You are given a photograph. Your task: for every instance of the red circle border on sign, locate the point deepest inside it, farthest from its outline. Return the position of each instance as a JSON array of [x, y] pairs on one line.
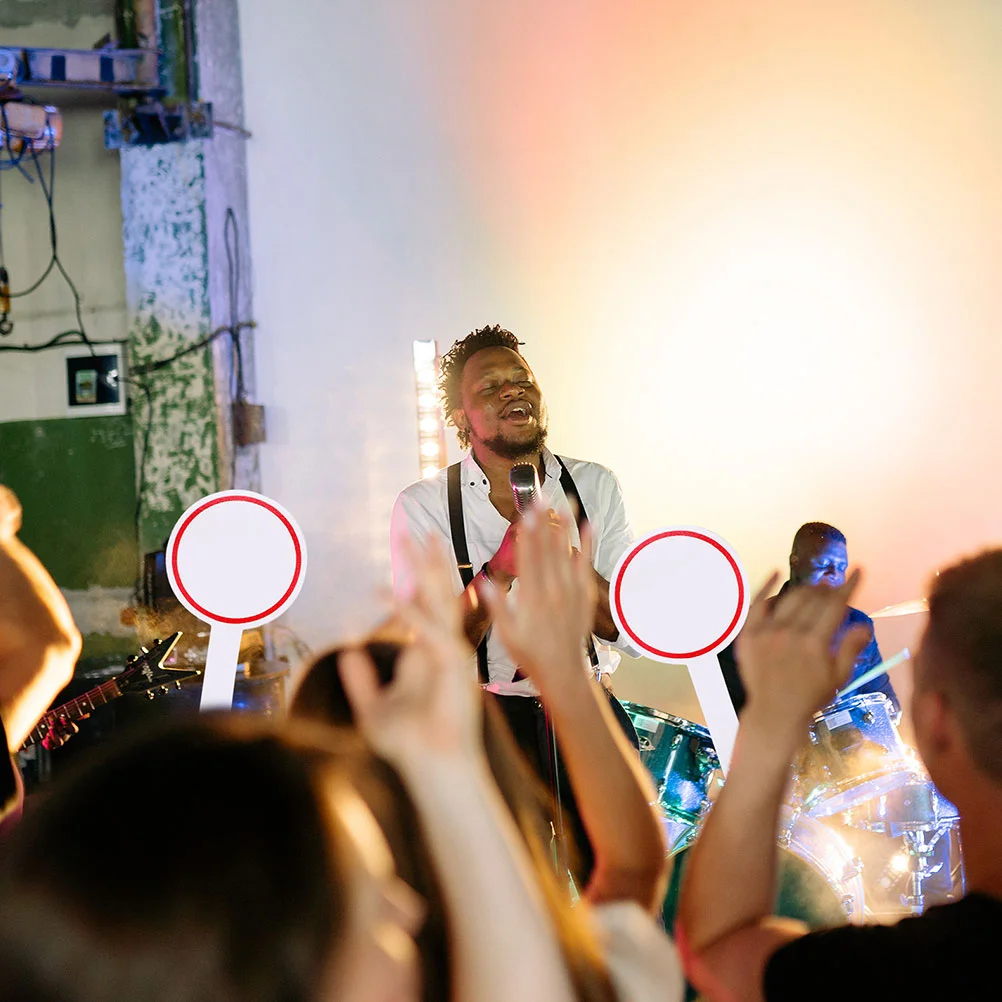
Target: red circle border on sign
[[687, 655], [242, 620]]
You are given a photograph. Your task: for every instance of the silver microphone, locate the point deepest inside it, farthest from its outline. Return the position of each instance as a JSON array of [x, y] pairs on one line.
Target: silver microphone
[[524, 480]]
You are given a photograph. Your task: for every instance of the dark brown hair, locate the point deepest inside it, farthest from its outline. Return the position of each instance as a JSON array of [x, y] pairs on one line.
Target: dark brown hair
[[321, 696], [198, 863]]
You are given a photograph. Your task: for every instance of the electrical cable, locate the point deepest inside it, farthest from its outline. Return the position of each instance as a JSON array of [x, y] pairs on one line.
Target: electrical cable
[[79, 335], [141, 477], [26, 147], [238, 391]]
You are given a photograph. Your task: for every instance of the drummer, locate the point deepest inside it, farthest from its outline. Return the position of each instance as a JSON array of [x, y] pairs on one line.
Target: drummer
[[819, 557]]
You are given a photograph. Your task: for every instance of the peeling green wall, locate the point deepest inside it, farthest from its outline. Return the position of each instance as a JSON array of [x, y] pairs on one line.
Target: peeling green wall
[[167, 292]]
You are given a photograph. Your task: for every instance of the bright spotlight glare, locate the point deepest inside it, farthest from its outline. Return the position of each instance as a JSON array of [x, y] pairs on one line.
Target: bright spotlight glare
[[425, 353]]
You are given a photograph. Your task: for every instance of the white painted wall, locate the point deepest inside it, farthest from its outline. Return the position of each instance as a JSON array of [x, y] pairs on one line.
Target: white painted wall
[[754, 257], [361, 245]]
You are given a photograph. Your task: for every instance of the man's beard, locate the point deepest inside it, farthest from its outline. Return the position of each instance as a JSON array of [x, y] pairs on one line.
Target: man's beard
[[507, 449]]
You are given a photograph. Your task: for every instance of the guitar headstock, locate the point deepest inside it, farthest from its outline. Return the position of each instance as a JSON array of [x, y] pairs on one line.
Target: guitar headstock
[[146, 672]]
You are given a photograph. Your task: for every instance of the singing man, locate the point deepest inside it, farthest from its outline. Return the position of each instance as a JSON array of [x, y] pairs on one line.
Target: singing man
[[491, 397]]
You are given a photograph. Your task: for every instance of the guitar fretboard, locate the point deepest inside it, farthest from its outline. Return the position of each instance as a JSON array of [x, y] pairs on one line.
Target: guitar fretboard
[[74, 709]]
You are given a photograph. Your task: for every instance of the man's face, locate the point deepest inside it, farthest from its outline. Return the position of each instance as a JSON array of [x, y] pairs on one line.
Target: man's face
[[502, 406], [820, 563]]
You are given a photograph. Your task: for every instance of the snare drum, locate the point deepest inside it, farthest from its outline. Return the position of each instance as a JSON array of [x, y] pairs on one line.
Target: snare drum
[[855, 755], [681, 759]]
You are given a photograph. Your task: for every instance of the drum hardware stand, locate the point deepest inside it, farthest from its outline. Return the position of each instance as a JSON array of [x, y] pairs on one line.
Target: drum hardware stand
[[919, 852]]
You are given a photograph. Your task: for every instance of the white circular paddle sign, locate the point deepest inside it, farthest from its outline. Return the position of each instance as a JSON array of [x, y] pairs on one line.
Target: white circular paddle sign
[[679, 593], [235, 559]]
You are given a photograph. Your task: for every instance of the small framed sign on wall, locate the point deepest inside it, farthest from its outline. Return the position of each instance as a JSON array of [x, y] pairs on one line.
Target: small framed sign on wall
[[95, 382]]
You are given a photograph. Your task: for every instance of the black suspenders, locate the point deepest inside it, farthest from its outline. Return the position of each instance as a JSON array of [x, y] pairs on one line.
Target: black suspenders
[[457, 526]]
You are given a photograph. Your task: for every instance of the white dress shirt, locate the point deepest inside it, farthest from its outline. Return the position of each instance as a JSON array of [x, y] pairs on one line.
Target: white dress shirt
[[423, 509]]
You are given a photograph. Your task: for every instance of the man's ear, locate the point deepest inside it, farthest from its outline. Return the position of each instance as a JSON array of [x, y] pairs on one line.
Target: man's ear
[[932, 720], [459, 419]]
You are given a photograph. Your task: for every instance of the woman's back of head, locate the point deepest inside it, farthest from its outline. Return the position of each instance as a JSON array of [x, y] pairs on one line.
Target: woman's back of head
[[321, 698], [199, 863]]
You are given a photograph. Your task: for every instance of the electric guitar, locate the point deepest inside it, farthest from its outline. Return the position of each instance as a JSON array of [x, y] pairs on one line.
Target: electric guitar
[[143, 673]]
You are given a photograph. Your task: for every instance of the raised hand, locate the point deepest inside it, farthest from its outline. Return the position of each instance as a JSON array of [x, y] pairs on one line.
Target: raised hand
[[785, 653], [556, 600], [432, 706], [10, 514]]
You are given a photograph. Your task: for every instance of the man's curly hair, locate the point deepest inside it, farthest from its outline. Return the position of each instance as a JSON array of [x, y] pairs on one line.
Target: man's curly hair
[[450, 377]]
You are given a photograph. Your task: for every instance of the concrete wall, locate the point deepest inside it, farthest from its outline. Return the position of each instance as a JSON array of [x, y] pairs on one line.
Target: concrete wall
[[89, 225], [76, 477]]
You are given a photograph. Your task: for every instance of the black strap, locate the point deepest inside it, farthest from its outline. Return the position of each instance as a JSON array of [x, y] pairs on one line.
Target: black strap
[[457, 526], [571, 490]]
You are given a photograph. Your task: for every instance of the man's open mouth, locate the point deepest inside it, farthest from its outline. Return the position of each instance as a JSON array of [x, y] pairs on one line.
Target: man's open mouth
[[517, 412]]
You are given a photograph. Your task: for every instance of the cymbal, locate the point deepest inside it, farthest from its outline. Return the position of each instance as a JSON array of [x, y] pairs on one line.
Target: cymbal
[[902, 609]]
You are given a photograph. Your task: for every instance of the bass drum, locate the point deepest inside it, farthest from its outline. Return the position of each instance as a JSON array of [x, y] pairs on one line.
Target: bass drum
[[820, 881]]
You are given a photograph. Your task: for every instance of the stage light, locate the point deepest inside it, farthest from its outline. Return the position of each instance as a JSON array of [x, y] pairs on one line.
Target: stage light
[[899, 863], [431, 427]]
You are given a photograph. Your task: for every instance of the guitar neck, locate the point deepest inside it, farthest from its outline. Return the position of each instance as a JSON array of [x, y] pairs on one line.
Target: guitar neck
[[74, 709]]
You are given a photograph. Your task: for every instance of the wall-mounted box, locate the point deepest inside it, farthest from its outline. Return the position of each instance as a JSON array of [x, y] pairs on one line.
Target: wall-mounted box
[[95, 383]]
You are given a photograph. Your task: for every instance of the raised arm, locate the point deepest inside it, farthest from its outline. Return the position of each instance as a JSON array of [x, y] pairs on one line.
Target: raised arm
[[613, 792], [725, 913], [427, 724], [39, 643]]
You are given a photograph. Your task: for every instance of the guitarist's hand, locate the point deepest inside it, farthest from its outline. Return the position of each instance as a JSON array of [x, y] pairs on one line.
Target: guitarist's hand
[[59, 732]]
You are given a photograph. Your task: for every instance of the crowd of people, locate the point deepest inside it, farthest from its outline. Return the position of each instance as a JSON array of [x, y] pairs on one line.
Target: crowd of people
[[454, 808]]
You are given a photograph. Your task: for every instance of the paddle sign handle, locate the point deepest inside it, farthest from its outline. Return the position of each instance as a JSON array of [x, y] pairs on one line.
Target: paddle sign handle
[[220, 667], [680, 595], [235, 560]]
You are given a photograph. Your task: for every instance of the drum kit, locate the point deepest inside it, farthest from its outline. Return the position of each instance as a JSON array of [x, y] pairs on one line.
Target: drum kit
[[863, 824]]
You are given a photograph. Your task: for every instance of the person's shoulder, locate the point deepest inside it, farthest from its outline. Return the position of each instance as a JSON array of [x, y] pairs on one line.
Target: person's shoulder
[[585, 467], [953, 940], [425, 489], [642, 960], [859, 618]]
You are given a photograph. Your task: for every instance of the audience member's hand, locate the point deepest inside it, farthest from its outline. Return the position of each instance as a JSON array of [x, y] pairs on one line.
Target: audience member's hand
[[39, 642], [10, 514], [785, 654], [433, 704], [556, 600]]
